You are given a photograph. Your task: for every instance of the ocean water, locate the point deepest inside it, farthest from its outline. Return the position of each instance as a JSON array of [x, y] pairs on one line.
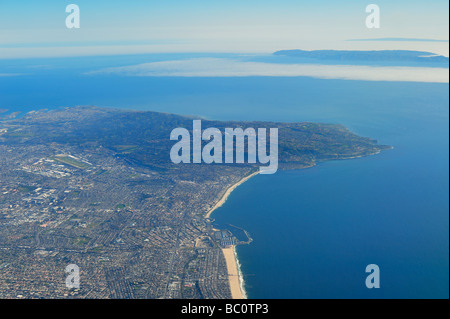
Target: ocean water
[[314, 230]]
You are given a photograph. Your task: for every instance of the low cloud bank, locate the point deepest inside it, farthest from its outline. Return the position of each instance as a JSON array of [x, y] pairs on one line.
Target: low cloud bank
[[217, 67]]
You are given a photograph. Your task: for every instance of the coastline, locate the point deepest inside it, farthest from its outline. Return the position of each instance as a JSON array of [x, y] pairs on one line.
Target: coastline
[[235, 278], [228, 192], [234, 273]]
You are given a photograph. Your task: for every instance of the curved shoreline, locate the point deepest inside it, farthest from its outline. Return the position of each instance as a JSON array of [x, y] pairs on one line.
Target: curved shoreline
[[235, 277], [228, 192]]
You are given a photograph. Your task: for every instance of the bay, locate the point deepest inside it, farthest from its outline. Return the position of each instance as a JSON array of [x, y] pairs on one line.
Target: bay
[[314, 230]]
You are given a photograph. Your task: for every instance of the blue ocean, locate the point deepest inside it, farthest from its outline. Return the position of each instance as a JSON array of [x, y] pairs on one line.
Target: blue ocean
[[314, 230]]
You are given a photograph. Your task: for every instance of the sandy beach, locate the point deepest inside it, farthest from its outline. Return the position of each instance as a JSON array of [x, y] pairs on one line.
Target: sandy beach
[[230, 257], [228, 192], [233, 273]]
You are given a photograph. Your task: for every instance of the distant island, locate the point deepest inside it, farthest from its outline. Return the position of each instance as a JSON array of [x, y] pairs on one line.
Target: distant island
[[95, 187]]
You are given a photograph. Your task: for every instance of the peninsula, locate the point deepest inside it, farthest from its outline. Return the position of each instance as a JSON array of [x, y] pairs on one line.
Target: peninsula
[[96, 187]]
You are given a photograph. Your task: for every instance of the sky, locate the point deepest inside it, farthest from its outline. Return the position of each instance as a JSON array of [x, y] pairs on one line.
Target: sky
[[36, 28]]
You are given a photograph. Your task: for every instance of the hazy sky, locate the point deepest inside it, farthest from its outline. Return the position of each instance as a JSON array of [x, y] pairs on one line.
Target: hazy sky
[[32, 28]]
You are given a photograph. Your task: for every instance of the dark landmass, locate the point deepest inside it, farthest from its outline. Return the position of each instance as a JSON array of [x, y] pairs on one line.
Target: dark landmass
[[95, 187], [369, 56], [141, 138]]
